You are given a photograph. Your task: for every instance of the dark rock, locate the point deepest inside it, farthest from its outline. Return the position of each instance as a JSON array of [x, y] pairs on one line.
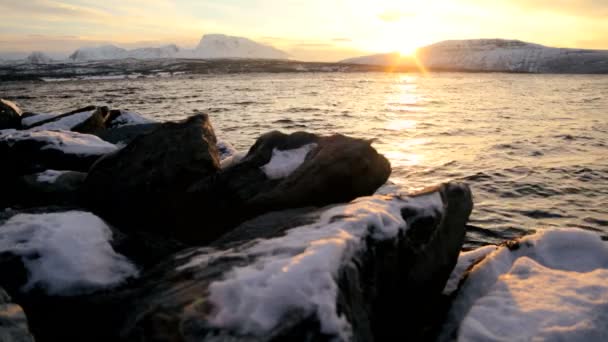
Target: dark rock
[[339, 169], [13, 323], [137, 186], [44, 189], [10, 115], [407, 271], [126, 134], [93, 123]]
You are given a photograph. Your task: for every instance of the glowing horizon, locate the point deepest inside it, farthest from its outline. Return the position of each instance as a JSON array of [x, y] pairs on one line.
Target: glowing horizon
[[307, 30]]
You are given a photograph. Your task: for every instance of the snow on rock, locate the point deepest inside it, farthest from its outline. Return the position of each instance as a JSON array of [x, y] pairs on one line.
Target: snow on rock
[[34, 119], [67, 123], [126, 118], [66, 141], [298, 271], [65, 253], [284, 162], [465, 261], [222, 46], [552, 286], [49, 176]]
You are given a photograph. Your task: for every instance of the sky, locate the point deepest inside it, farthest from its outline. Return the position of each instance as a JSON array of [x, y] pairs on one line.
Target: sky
[[315, 30]]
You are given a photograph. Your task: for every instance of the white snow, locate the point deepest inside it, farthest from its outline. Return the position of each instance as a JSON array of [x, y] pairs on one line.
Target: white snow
[[31, 120], [65, 253], [67, 123], [49, 176], [553, 287], [284, 162], [225, 149], [210, 46], [465, 261], [65, 141], [127, 118], [298, 271]]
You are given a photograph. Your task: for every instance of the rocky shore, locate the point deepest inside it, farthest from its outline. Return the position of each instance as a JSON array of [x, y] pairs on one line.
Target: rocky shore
[[114, 227]]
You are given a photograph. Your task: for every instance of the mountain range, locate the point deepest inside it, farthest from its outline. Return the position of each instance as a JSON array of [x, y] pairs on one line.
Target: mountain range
[[494, 55], [475, 55]]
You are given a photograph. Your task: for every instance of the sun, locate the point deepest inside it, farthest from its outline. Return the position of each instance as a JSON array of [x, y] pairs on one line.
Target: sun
[[408, 50]]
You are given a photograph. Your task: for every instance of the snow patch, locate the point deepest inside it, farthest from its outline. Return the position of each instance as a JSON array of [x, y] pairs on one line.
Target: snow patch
[[31, 120], [465, 261], [127, 118], [65, 253], [225, 149], [49, 176], [284, 162], [554, 286], [298, 271], [65, 141], [67, 123]]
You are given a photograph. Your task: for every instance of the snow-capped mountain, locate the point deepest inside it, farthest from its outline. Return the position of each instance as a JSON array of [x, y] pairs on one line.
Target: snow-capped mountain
[[211, 46], [98, 53], [38, 57], [222, 46], [499, 55]]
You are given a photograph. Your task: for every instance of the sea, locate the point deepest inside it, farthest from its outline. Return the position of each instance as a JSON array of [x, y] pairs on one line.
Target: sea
[[533, 148]]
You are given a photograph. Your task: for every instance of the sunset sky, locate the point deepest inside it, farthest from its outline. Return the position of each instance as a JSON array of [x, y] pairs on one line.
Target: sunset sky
[[306, 29]]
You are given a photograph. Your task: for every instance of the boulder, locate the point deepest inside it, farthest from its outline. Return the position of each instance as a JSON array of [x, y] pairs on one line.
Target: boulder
[[13, 323], [284, 171], [26, 152], [125, 134], [120, 118], [137, 186], [10, 115], [88, 120], [336, 273], [50, 187]]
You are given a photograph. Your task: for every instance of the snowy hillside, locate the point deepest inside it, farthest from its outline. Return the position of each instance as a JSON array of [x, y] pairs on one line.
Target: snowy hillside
[[211, 46], [501, 55], [222, 46]]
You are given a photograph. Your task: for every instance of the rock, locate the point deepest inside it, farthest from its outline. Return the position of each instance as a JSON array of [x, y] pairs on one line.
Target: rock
[[30, 119], [333, 169], [26, 152], [13, 323], [120, 118], [10, 115], [88, 120], [125, 134], [333, 274], [50, 187], [137, 186]]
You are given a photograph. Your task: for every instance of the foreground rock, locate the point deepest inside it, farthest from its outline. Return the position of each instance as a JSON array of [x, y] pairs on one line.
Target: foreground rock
[[548, 286], [169, 181], [338, 278], [13, 323], [87, 120], [335, 273], [26, 152], [10, 115], [138, 186], [50, 187]]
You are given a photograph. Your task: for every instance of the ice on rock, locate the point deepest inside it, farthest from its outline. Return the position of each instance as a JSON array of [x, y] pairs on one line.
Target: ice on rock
[[49, 176], [34, 119], [284, 162], [66, 123], [298, 271], [127, 118], [65, 141], [553, 286], [66, 253]]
